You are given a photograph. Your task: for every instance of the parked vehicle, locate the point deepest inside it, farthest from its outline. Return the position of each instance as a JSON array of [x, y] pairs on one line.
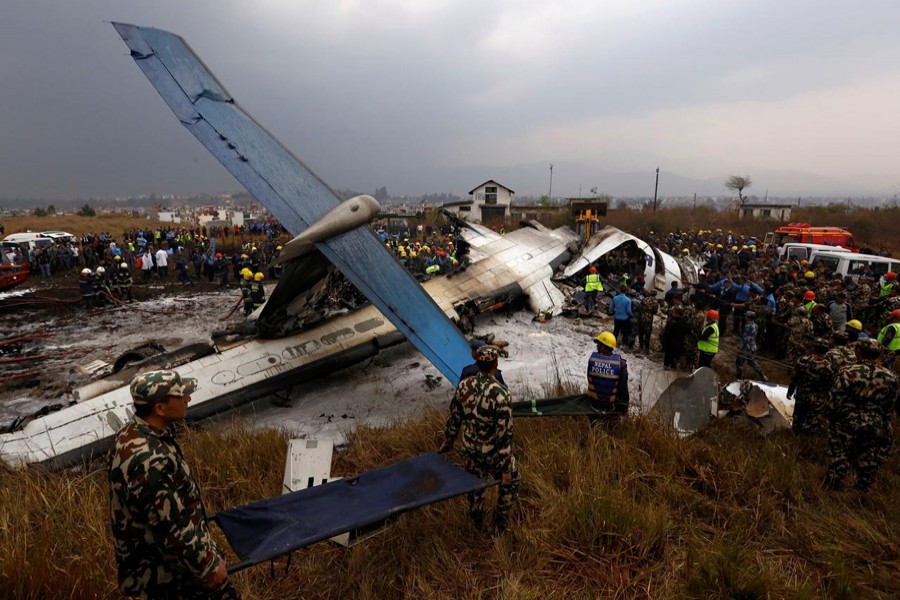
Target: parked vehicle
[[854, 265], [803, 251], [807, 234]]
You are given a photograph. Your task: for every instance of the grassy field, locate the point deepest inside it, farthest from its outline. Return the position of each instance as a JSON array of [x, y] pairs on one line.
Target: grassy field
[[631, 512], [114, 224]]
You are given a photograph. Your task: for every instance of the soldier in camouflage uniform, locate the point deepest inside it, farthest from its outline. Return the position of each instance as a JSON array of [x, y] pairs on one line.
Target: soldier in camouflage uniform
[[648, 310], [160, 531], [823, 325], [840, 355], [696, 319], [800, 332], [810, 385], [862, 401], [482, 409]]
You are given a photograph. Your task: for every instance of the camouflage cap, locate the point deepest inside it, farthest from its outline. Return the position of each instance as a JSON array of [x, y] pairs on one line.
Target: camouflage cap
[[821, 344], [869, 347], [155, 386], [487, 353]]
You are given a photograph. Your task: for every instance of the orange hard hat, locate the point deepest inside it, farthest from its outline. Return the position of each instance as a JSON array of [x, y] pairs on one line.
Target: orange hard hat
[[895, 314], [593, 269], [712, 314], [890, 275], [810, 295]]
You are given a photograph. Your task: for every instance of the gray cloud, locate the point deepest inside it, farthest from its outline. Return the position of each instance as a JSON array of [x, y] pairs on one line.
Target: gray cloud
[[416, 95]]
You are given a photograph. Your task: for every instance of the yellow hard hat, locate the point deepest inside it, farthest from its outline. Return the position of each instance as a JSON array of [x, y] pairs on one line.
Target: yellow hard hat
[[809, 275], [258, 277], [686, 251], [278, 247], [244, 256], [734, 248], [804, 262], [753, 246], [117, 257], [247, 273], [607, 339], [854, 324], [719, 246]]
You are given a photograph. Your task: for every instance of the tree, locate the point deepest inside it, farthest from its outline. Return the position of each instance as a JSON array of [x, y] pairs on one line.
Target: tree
[[87, 211], [39, 212], [51, 210], [738, 183], [545, 201]]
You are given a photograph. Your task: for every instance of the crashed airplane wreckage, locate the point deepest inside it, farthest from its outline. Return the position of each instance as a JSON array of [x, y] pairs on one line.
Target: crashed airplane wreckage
[[330, 234]]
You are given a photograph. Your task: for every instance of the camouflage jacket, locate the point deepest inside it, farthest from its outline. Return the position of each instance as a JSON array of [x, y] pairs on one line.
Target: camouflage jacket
[[159, 523], [822, 325], [863, 394], [649, 309], [801, 329], [812, 379], [840, 357], [747, 342], [482, 408]]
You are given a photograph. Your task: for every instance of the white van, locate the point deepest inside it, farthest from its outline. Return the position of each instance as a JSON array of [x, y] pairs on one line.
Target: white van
[[852, 264], [25, 241], [803, 251]]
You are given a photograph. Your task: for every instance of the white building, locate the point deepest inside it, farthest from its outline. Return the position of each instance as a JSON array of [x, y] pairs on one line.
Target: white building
[[776, 212], [489, 204]]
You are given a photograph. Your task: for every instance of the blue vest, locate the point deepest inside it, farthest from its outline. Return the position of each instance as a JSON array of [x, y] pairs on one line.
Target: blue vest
[[603, 376]]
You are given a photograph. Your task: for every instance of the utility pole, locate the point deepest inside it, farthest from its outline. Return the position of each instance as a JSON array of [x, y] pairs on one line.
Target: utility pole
[[550, 193], [695, 202], [655, 190]]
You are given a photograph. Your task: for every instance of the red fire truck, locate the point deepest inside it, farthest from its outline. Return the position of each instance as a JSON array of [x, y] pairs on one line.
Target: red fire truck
[[804, 233]]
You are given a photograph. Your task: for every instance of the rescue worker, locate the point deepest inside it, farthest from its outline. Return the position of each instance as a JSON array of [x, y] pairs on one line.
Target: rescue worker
[[810, 385], [747, 347], [257, 292], [101, 286], [592, 286], [220, 269], [649, 308], [277, 268], [890, 280], [472, 370], [124, 282], [673, 337], [86, 287], [708, 342], [800, 332], [160, 531], [810, 297], [621, 308], [482, 409], [246, 282], [861, 403], [840, 355], [889, 337], [855, 331], [607, 375]]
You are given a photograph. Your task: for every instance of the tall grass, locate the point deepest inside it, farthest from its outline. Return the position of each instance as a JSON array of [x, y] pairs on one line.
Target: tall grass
[[628, 511]]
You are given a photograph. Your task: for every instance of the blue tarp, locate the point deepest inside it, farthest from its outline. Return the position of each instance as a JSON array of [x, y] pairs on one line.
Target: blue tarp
[[270, 528], [291, 191]]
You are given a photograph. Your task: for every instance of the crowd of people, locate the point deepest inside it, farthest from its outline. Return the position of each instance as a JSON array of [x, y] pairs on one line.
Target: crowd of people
[[839, 336]]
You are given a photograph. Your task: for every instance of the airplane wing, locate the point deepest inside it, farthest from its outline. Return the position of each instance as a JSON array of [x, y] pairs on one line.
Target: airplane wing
[[291, 191]]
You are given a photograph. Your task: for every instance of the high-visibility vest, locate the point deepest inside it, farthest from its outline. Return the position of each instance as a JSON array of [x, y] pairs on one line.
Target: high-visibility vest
[[809, 306], [592, 283], [885, 290], [711, 344], [894, 344], [433, 269], [603, 376]]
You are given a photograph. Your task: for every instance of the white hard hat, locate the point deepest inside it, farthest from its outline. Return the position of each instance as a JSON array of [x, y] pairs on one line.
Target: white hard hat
[[85, 271], [101, 270]]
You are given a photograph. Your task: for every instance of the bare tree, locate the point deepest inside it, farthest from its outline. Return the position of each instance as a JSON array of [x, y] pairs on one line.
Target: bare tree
[[738, 183]]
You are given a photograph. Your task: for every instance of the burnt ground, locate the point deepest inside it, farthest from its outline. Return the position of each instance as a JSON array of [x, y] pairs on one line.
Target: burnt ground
[[58, 336]]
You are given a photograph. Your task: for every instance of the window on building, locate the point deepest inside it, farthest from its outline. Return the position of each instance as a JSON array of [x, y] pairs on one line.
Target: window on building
[[765, 212], [465, 209], [490, 194]]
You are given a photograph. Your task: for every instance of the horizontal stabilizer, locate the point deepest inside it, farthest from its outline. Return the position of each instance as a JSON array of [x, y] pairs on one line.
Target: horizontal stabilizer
[[270, 528]]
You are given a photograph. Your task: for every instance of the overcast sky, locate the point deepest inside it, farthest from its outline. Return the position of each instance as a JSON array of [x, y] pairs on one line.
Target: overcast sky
[[410, 94]]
